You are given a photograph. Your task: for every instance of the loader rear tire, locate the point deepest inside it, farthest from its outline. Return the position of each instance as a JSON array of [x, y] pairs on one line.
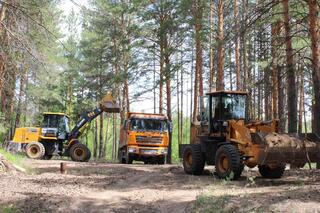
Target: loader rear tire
[[80, 152], [272, 172], [193, 160], [228, 163], [35, 150]]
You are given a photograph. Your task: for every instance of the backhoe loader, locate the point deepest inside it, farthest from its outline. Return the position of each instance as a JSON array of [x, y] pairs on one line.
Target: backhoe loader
[[54, 137], [225, 138]]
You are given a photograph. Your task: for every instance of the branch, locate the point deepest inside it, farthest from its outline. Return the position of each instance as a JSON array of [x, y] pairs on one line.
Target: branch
[[23, 45]]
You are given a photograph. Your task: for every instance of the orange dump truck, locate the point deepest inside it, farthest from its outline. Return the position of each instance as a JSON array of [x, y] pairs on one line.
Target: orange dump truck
[[144, 137]]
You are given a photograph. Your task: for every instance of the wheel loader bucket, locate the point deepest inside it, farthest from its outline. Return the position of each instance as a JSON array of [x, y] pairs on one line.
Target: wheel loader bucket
[[287, 148], [108, 104]]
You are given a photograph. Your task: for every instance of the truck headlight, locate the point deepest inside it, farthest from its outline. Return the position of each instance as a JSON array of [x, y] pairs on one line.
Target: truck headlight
[[164, 151], [132, 150], [225, 123]]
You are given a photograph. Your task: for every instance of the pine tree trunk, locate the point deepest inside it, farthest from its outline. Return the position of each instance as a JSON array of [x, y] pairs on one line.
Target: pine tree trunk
[[301, 103], [211, 62], [161, 77], [168, 91], [315, 48], [230, 68], [154, 81], [220, 74], [95, 140], [104, 148], [291, 75], [275, 81], [237, 44], [181, 99], [101, 139], [23, 78]]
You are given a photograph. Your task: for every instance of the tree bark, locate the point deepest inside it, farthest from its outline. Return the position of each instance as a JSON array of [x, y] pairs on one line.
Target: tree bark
[[220, 74], [275, 31], [211, 63], [101, 138], [237, 45], [168, 90], [95, 140], [104, 148], [314, 30], [291, 75]]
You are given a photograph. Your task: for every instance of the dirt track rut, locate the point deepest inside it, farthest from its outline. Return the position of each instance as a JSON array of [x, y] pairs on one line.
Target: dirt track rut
[[103, 187]]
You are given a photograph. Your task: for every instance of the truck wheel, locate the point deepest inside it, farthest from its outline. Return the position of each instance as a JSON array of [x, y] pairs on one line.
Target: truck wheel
[[120, 157], [50, 149], [35, 150], [79, 152], [228, 162], [193, 160], [129, 159], [272, 172], [161, 160]]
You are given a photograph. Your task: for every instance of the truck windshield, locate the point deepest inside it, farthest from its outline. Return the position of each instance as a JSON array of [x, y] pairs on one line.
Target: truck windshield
[[233, 106], [148, 125]]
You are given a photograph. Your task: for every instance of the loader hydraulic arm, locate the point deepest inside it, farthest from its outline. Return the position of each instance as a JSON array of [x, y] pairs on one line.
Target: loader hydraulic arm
[[107, 104], [86, 118]]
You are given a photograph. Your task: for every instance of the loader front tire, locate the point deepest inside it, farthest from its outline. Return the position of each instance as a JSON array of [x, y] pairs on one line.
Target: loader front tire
[[193, 160], [272, 172], [80, 152], [228, 162], [35, 150]]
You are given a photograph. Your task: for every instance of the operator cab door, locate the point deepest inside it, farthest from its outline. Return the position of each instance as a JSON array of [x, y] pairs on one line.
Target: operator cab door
[[55, 126], [216, 112], [204, 113]]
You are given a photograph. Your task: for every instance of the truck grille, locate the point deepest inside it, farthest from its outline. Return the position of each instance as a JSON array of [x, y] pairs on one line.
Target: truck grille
[[149, 140]]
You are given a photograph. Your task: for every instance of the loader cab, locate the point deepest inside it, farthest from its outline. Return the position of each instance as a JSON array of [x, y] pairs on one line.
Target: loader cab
[[55, 125], [221, 106]]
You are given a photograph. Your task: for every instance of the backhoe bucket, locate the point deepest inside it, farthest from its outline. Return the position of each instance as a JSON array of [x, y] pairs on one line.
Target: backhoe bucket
[[296, 149], [108, 104]]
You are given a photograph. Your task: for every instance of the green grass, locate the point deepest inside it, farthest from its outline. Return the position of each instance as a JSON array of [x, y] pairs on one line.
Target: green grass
[[16, 159], [8, 210], [206, 203]]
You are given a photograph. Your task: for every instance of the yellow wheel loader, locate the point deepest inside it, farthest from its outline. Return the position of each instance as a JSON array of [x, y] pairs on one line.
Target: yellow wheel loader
[[224, 138], [54, 136]]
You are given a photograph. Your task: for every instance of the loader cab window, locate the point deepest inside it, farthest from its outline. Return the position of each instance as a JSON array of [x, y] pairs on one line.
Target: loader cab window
[[204, 109], [233, 106], [215, 107], [61, 122]]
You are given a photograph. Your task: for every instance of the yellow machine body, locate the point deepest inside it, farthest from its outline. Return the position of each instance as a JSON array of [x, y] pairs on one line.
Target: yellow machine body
[[27, 135]]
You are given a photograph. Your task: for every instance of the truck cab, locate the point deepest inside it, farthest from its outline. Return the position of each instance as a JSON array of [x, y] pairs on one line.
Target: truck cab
[[144, 137]]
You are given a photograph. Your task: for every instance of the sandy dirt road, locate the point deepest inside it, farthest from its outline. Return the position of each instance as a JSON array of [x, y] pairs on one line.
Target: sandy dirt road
[[103, 187]]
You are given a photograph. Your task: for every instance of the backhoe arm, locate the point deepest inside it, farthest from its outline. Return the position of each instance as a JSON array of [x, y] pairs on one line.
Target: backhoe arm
[[107, 104]]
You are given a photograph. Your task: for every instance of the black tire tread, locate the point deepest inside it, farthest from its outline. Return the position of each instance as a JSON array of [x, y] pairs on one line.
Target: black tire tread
[[237, 165], [41, 146], [267, 172], [87, 151], [198, 160]]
